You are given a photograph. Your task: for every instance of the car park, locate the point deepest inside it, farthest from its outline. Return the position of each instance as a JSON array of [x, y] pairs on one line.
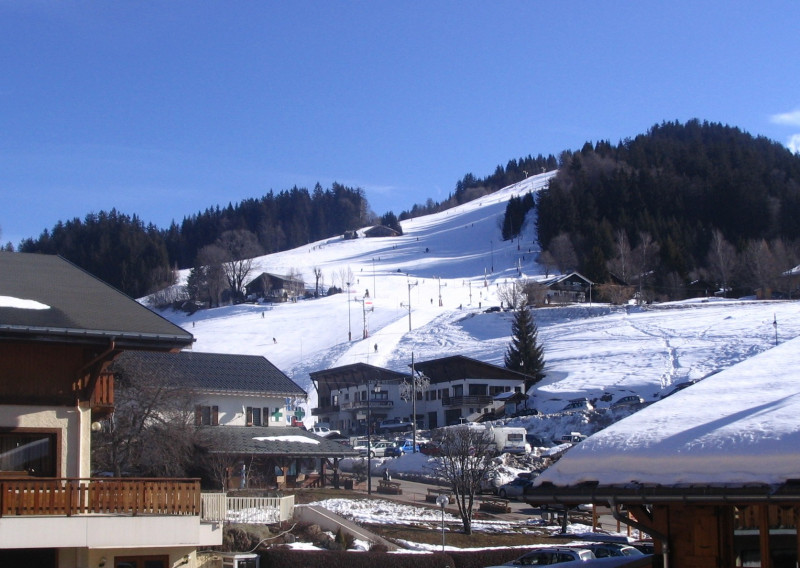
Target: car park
[[626, 401]]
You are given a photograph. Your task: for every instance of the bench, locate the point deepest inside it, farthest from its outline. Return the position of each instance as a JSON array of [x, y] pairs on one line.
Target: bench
[[389, 487], [495, 506], [433, 494]]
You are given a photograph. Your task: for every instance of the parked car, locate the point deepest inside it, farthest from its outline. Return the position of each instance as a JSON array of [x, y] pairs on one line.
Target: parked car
[[514, 489], [394, 425], [430, 449], [580, 404], [572, 438], [376, 449], [561, 555], [606, 549], [324, 431], [566, 557], [401, 447], [630, 400], [679, 387]]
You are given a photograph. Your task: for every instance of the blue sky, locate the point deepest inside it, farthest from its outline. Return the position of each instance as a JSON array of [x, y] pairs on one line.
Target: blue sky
[[165, 108]]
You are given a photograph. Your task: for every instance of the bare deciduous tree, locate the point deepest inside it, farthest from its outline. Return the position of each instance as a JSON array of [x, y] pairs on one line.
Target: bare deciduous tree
[[644, 260], [563, 253], [210, 278], [535, 293], [151, 431], [512, 294], [620, 265], [240, 248], [317, 279], [467, 452], [721, 260]]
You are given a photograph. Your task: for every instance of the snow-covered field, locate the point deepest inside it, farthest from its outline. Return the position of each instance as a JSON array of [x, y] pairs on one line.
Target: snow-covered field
[[457, 257], [590, 350]]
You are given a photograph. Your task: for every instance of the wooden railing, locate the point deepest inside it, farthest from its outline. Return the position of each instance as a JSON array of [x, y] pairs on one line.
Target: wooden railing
[[128, 496], [469, 400], [219, 507]]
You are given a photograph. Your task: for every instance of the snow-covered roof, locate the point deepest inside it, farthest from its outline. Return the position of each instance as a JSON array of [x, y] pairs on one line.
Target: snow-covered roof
[[737, 427]]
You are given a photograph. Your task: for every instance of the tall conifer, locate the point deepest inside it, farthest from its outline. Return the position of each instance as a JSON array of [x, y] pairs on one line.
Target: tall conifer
[[525, 354]]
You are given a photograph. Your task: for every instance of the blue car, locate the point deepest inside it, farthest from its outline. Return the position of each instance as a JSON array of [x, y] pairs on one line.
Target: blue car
[[400, 448]]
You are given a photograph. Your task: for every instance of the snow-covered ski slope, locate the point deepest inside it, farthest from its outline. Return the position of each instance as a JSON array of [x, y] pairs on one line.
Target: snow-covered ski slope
[[458, 255]]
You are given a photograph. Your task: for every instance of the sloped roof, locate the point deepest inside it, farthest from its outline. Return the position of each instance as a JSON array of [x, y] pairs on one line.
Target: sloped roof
[[353, 375], [280, 441], [735, 429], [47, 297], [458, 367], [211, 372]]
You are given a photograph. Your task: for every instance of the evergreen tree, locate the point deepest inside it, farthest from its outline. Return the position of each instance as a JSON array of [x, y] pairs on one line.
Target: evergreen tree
[[525, 354]]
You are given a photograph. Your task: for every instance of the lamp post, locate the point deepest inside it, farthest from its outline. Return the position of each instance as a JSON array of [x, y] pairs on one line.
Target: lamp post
[[349, 329], [369, 435], [442, 501], [492, 245], [374, 291]]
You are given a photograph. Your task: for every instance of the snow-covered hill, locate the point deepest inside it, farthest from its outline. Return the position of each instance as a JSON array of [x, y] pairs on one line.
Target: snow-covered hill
[[457, 255]]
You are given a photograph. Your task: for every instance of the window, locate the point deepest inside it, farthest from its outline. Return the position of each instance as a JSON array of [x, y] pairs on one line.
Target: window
[[206, 415], [256, 417], [33, 453]]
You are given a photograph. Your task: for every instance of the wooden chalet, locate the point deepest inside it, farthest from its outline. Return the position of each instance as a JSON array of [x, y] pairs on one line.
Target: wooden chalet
[[60, 328], [380, 231], [567, 288], [711, 473], [274, 287]]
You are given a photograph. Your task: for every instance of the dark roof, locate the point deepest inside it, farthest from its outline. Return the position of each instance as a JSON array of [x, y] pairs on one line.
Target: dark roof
[[458, 367], [218, 372], [75, 306], [283, 441], [354, 375]]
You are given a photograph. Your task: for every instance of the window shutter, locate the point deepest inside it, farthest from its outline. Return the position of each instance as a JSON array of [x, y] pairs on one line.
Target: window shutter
[[249, 416], [198, 416], [215, 415]]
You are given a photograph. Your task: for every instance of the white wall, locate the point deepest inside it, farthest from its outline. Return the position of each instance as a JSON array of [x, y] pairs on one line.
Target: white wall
[[73, 423]]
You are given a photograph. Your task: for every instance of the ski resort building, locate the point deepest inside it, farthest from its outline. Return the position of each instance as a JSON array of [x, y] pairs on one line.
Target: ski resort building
[[458, 389], [60, 329], [710, 473]]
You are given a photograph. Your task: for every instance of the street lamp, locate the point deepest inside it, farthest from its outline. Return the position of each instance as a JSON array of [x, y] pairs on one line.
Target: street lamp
[[442, 501], [369, 435]]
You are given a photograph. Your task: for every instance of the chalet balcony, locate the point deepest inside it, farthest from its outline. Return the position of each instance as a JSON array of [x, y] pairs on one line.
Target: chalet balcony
[[103, 513], [323, 410], [375, 405], [468, 401], [117, 496]]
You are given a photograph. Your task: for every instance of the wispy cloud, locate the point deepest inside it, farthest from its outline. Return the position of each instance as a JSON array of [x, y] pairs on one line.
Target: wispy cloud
[[791, 118]]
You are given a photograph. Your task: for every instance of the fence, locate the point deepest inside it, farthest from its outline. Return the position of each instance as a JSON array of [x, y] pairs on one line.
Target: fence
[[219, 507]]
